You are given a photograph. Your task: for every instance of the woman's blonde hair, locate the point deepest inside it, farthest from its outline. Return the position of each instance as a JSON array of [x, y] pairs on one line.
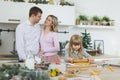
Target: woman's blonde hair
[[54, 26], [75, 40]]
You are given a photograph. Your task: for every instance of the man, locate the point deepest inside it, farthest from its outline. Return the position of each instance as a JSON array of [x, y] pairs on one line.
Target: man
[[28, 33]]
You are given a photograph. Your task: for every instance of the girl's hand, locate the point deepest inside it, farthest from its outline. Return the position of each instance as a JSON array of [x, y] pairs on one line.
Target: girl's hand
[[91, 60], [70, 60]]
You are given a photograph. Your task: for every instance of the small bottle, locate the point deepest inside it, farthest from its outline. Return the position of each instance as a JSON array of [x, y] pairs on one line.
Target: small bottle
[[27, 1], [51, 2], [61, 1], [77, 21], [38, 59], [30, 61], [112, 23]]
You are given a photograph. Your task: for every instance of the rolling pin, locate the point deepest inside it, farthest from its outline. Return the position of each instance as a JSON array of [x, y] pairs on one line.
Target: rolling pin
[[80, 60], [82, 66]]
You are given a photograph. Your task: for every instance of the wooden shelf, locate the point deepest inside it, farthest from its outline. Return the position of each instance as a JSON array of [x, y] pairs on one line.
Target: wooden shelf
[[95, 27]]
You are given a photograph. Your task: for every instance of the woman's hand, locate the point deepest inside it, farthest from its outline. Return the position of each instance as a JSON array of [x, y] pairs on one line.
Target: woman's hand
[[41, 52]]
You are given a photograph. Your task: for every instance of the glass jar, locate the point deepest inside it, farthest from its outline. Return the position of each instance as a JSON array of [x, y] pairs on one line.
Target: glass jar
[[30, 60]]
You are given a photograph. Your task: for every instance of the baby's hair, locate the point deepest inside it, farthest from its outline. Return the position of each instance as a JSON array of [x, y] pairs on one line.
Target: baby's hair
[[75, 40]]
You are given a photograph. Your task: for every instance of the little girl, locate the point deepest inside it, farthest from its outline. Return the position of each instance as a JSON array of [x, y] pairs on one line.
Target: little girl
[[75, 50]]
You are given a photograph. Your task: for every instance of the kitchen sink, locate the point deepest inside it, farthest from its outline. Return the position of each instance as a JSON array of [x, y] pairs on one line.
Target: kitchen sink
[[8, 61], [8, 56]]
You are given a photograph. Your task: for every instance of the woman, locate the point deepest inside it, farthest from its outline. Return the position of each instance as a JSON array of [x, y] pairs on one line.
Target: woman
[[49, 40]]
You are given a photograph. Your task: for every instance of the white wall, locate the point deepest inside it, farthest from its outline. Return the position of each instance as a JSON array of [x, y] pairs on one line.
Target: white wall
[[89, 7], [100, 8]]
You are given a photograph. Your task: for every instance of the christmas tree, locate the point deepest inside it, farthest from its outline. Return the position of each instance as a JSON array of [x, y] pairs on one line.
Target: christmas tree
[[86, 40]]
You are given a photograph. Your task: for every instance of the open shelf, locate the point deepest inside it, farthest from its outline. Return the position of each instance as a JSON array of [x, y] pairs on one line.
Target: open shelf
[[95, 27]]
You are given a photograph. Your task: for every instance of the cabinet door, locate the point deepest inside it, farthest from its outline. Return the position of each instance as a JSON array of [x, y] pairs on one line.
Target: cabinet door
[[65, 14], [13, 12], [16, 12]]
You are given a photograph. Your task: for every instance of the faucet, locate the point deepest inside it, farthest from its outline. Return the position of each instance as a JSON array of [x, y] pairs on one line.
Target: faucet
[[0, 39], [14, 52]]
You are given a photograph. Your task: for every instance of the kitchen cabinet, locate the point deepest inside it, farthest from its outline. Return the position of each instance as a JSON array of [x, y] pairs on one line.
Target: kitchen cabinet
[[11, 12], [65, 14], [16, 12]]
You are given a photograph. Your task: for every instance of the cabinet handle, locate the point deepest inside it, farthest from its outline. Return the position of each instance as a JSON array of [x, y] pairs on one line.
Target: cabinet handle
[[59, 22], [13, 19]]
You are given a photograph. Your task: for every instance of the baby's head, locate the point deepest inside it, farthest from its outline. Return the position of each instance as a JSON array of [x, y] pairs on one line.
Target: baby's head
[[75, 42]]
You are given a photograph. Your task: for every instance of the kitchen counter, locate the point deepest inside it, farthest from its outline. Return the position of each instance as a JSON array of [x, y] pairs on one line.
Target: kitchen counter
[[8, 57], [105, 72], [100, 58], [105, 56]]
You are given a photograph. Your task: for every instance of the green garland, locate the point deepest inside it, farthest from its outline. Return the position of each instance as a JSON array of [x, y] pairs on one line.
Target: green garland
[[8, 72]]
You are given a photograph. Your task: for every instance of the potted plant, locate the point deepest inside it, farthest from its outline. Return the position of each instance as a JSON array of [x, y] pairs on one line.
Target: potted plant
[[99, 51], [96, 20], [62, 47], [83, 19], [105, 21]]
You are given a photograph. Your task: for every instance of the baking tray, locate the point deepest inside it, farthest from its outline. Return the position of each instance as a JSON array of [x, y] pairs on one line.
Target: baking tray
[[114, 62]]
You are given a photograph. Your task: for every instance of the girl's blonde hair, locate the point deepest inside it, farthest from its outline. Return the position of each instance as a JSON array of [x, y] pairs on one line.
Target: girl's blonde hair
[[75, 40], [54, 26]]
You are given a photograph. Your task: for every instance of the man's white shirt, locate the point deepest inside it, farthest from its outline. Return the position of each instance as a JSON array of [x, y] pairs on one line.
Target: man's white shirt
[[27, 39]]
